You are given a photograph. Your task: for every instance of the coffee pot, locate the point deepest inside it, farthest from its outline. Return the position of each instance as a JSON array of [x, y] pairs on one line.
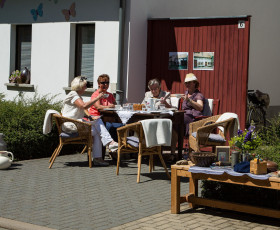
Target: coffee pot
[[6, 159], [151, 104]]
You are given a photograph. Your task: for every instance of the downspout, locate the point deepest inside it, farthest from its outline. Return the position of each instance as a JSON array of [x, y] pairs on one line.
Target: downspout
[[119, 91]]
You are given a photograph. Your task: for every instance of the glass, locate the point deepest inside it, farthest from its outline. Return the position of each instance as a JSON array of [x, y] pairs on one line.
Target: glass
[[125, 107], [130, 107], [118, 107], [144, 107], [162, 107]]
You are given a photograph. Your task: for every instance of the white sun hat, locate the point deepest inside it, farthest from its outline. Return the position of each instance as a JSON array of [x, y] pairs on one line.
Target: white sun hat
[[190, 77]]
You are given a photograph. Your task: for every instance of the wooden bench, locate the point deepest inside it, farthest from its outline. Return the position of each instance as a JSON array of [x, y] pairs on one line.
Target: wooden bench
[[178, 171]]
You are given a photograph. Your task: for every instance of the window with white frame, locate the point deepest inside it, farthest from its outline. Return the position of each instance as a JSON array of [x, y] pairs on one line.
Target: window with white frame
[[84, 53], [23, 47]]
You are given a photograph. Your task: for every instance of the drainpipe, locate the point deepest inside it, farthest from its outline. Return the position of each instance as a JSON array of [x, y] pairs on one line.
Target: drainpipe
[[119, 91]]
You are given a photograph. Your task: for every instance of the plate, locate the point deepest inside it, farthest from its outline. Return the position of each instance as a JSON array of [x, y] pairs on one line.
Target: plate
[[172, 109], [155, 112]]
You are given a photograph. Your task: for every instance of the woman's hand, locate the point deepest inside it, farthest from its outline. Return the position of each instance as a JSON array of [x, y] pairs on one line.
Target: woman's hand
[[162, 100], [101, 95], [186, 98]]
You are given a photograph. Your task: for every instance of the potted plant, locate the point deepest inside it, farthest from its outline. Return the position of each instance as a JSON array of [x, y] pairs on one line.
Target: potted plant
[[15, 77], [246, 141]]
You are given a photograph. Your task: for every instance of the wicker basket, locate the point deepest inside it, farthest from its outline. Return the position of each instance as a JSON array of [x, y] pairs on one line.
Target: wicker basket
[[203, 159]]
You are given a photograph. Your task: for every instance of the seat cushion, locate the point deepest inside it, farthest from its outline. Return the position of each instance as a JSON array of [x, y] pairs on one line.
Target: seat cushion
[[133, 141], [212, 137], [68, 135]]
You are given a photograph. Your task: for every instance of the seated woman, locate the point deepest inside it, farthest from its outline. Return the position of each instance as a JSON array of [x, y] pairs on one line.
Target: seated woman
[[104, 102], [156, 92], [74, 106], [193, 101]]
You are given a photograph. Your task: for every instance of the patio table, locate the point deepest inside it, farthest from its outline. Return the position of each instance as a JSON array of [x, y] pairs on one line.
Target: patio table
[[178, 171], [177, 121]]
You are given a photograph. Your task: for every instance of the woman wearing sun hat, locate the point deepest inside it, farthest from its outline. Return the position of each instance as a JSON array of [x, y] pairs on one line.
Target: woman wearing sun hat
[[193, 100]]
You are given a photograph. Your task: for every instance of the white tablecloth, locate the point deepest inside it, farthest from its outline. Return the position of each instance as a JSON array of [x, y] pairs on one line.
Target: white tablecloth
[[126, 115]]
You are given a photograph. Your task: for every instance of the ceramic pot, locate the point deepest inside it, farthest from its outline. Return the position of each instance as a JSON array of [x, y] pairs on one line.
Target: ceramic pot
[[271, 166], [151, 104], [245, 156], [6, 159]]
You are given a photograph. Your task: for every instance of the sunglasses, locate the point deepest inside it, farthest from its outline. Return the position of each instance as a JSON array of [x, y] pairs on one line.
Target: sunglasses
[[104, 82], [83, 79]]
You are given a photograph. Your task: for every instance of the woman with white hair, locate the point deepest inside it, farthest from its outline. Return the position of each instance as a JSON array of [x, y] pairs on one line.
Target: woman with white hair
[[156, 92], [74, 106], [193, 101]]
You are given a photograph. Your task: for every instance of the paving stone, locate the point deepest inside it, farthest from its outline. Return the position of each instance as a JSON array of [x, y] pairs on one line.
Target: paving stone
[[73, 196]]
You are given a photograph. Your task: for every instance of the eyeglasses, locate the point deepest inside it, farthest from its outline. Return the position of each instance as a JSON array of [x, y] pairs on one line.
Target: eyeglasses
[[104, 82], [83, 79]]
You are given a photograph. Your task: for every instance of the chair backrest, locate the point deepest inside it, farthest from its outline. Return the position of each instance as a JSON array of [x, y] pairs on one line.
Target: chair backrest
[[176, 101], [211, 107]]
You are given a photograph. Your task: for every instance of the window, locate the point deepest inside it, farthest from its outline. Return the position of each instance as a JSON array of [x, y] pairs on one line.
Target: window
[[23, 47], [84, 58]]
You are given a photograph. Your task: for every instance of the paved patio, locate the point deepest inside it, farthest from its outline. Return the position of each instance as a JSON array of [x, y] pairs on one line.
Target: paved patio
[[73, 196]]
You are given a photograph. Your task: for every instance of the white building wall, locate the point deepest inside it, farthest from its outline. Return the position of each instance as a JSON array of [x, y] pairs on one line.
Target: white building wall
[[106, 50], [5, 34], [264, 37], [50, 57], [53, 43]]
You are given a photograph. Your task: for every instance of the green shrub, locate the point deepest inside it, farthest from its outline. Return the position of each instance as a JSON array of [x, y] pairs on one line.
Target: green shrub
[[21, 121], [270, 136]]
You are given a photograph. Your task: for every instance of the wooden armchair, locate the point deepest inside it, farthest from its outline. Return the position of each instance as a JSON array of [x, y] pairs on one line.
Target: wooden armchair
[[207, 133], [136, 144], [82, 136]]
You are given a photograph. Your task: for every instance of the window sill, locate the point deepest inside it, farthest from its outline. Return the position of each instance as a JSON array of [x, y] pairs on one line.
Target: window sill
[[88, 92], [20, 87]]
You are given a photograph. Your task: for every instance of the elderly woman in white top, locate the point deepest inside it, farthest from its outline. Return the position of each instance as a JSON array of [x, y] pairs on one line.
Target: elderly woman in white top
[[74, 106], [157, 93]]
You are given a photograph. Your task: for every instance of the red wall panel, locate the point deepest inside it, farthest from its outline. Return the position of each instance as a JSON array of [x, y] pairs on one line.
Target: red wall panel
[[228, 80]]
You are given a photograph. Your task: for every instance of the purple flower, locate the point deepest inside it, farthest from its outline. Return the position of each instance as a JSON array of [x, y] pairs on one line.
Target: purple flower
[[239, 132], [248, 136], [251, 128]]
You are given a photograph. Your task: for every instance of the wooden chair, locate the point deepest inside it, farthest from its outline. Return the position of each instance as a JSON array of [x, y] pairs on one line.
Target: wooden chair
[[136, 144], [210, 108], [176, 101], [207, 133], [82, 136]]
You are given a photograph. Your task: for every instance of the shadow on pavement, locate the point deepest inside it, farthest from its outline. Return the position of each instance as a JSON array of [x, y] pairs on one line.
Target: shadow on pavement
[[235, 215]]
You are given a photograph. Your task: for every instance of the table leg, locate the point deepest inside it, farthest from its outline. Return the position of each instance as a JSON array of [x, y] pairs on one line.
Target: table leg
[[193, 189], [180, 132], [175, 192]]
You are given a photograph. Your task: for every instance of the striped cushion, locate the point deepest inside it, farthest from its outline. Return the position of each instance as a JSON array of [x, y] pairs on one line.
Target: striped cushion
[[133, 141]]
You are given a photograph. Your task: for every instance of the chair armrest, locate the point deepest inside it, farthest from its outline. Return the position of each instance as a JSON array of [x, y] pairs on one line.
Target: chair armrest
[[200, 118], [204, 131], [83, 128], [123, 131]]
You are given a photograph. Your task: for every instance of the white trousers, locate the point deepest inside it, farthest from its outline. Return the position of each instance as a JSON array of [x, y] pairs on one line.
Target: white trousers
[[100, 136]]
